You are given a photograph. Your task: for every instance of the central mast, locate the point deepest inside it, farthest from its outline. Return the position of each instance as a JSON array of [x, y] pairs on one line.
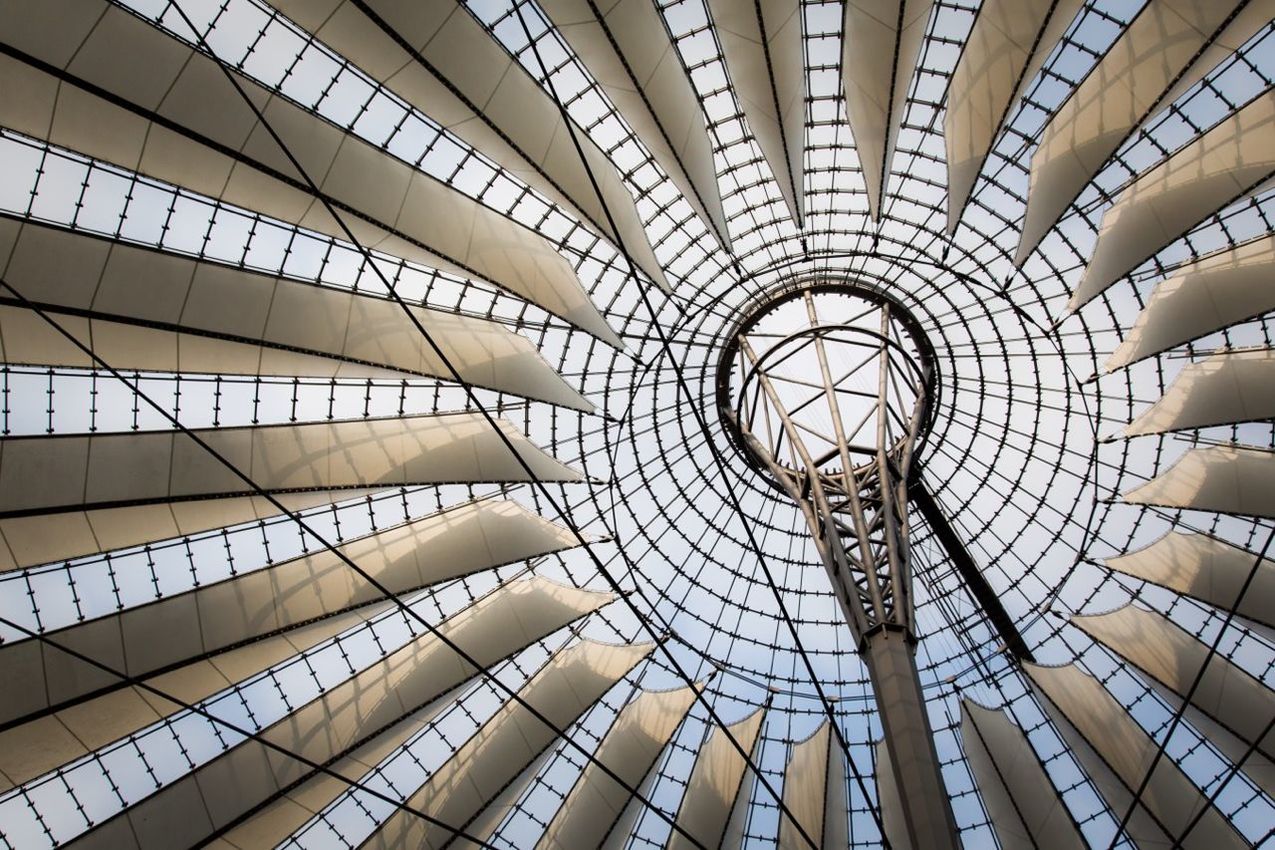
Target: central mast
[[830, 389]]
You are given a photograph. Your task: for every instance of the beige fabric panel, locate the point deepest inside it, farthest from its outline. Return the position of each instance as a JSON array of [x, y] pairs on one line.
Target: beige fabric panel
[[631, 748], [27, 541], [1225, 389], [806, 789], [1217, 478], [1024, 806], [1127, 751], [1171, 656], [407, 213], [511, 120], [715, 783], [622, 830], [737, 825], [1234, 158], [509, 742], [629, 53], [347, 715], [49, 474], [486, 824], [1006, 48], [879, 53], [1201, 297], [139, 641], [273, 824], [836, 803], [763, 49], [1207, 569], [1246, 23], [1130, 82], [63, 268], [893, 820], [38, 746], [26, 338], [1142, 827], [1256, 766]]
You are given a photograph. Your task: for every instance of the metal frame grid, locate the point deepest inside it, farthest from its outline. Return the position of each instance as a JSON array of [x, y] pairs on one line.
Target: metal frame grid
[[1016, 448]]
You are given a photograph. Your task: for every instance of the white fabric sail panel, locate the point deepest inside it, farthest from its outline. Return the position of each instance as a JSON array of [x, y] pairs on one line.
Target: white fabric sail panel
[[486, 824], [27, 338], [1142, 826], [65, 269], [219, 792], [185, 124], [1225, 389], [737, 824], [1006, 47], [208, 619], [893, 820], [273, 824], [814, 792], [630, 749], [1258, 768], [1160, 48], [1239, 703], [460, 790], [1170, 801], [715, 784], [27, 541], [882, 42], [626, 48], [836, 801], [1202, 297], [500, 624], [36, 746], [622, 830], [1247, 21], [762, 46], [73, 472], [1234, 158], [1207, 569], [1024, 806], [1217, 478], [462, 78]]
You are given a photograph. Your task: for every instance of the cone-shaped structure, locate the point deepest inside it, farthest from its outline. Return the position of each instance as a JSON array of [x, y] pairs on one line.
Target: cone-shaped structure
[[621, 423]]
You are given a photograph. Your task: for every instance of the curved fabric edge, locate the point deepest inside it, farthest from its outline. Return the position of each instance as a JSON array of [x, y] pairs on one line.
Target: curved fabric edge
[[1163, 51], [1206, 569], [1200, 297], [1007, 46], [1026, 809], [1234, 158], [628, 51], [1225, 479], [51, 474], [1225, 389]]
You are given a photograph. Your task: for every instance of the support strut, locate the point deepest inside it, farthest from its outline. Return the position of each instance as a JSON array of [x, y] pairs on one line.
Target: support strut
[[984, 595], [890, 656]]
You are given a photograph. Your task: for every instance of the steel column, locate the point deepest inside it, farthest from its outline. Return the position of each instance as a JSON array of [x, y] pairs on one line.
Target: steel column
[[855, 500], [890, 656]]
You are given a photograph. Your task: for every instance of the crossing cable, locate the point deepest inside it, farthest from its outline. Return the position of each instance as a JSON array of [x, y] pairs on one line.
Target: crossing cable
[[1225, 779], [1186, 701], [383, 590], [327, 769]]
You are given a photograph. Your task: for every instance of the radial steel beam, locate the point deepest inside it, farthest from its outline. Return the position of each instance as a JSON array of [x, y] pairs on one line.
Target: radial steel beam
[[937, 520]]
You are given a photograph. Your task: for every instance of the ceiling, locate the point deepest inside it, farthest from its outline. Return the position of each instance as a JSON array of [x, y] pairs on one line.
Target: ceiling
[[420, 308]]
